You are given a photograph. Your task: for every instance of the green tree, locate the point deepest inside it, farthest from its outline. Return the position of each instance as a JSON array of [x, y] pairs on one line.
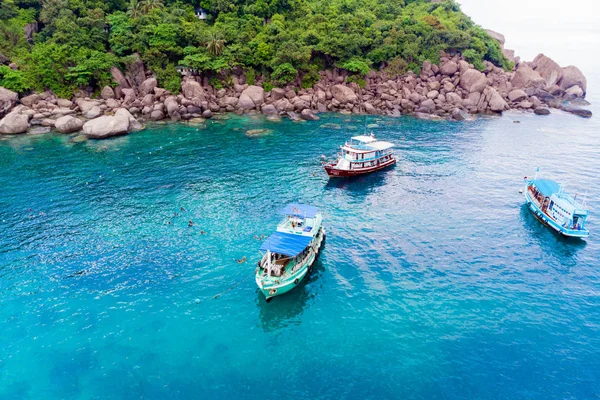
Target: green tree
[[215, 45]]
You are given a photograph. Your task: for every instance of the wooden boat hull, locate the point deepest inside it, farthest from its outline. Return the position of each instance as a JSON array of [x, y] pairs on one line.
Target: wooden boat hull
[[333, 172], [270, 290], [546, 220]]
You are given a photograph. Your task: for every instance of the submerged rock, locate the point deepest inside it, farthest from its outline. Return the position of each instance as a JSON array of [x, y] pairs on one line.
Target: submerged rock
[[258, 132], [542, 111], [582, 112]]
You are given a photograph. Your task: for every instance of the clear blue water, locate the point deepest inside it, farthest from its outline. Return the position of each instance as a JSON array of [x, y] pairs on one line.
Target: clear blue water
[[435, 282]]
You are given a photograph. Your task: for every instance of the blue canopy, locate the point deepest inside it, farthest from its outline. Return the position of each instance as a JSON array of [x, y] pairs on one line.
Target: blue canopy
[[300, 210], [546, 186], [287, 244]]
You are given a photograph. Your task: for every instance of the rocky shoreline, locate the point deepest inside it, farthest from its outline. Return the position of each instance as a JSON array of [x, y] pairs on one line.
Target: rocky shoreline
[[453, 90]]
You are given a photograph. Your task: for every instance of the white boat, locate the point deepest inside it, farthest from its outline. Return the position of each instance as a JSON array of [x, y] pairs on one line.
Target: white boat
[[289, 253]]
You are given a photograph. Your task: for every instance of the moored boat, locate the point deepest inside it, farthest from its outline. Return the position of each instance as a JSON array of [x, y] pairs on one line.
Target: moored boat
[[555, 208], [289, 253], [362, 155]]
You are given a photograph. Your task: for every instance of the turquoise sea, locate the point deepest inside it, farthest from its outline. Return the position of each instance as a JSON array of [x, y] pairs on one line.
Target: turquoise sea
[[435, 282]]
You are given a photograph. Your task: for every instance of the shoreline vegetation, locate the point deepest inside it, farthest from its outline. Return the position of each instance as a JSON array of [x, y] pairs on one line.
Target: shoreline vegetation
[[105, 68]]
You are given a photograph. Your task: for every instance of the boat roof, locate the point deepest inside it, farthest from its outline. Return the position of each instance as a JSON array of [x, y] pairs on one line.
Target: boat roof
[[300, 210], [381, 145], [368, 148], [287, 244], [546, 186], [364, 138]]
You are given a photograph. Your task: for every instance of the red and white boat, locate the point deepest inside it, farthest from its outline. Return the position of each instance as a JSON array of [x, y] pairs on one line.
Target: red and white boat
[[361, 155]]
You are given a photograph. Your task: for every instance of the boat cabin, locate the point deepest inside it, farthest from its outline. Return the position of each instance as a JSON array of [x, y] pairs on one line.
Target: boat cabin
[[561, 207], [364, 152]]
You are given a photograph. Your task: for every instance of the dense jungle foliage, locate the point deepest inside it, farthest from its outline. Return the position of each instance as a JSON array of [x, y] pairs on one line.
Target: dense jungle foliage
[[77, 41]]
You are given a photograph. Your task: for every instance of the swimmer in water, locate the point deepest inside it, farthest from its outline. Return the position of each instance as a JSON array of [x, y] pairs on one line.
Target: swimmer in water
[[202, 232], [181, 209], [243, 260], [191, 223]]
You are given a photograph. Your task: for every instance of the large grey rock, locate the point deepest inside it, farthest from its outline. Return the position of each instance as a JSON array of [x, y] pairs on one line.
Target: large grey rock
[[308, 115], [343, 94], [119, 77], [148, 86], [284, 105], [245, 102], [277, 93], [458, 115], [269, 109], [157, 115], [449, 68], [112, 103], [7, 100], [14, 123], [86, 105], [68, 124], [129, 96], [428, 104], [369, 108], [517, 95], [574, 91], [107, 93], [106, 126], [254, 93], [232, 101], [573, 76], [64, 103], [30, 100], [134, 124], [171, 105], [526, 77], [93, 112], [495, 101], [454, 99], [473, 81], [191, 89], [548, 69]]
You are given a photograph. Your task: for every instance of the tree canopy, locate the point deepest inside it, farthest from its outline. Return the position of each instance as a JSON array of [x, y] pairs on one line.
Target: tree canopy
[[281, 40]]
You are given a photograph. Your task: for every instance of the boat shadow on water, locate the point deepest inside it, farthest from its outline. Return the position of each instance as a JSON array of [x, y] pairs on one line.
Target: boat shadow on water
[[549, 240], [287, 309], [360, 184]]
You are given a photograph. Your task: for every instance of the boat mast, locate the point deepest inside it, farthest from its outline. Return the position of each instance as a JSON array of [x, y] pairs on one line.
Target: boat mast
[[268, 263]]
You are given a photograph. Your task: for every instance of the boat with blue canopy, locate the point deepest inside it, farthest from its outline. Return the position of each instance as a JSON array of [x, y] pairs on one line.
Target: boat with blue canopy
[[290, 252], [555, 208]]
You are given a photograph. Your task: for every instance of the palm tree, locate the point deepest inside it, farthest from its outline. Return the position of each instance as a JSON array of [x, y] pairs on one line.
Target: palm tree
[[135, 9], [149, 5], [215, 45]]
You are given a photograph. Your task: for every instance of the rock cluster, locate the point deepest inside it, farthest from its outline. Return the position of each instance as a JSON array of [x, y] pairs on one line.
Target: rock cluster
[[454, 89]]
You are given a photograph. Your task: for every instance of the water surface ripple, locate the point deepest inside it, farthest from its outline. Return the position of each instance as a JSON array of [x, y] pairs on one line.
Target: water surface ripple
[[435, 281]]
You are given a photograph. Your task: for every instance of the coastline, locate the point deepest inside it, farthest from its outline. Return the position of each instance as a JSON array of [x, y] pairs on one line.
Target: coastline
[[454, 90]]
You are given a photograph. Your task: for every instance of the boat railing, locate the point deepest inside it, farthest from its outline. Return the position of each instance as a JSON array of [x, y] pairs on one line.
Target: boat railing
[[354, 160]]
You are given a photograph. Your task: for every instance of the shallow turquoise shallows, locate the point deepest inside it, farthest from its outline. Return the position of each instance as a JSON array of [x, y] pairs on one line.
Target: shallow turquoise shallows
[[435, 281]]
